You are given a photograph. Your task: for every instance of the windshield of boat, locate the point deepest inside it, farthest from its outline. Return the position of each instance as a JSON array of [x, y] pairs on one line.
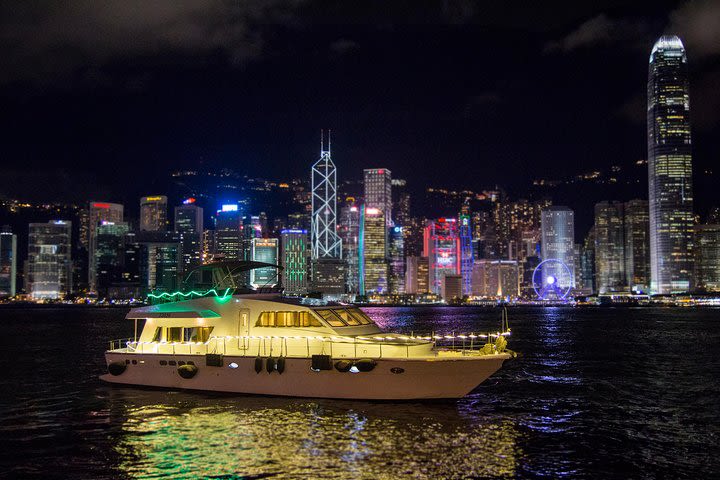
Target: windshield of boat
[[344, 317]]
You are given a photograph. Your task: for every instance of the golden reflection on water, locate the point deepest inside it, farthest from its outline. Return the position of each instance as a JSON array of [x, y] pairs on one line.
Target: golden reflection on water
[[191, 436]]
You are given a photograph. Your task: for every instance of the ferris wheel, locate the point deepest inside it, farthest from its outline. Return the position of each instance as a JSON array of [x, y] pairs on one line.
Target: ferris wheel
[[552, 280]]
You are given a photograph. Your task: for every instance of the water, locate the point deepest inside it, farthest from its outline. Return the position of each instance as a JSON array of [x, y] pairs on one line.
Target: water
[[597, 393]]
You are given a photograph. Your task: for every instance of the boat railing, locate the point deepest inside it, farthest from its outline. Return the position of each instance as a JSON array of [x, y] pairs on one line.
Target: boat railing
[[376, 346]]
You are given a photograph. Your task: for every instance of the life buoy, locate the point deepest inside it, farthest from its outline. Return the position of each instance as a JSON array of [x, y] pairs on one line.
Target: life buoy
[[258, 364], [187, 371], [270, 364], [116, 368], [365, 364], [280, 366], [343, 366]]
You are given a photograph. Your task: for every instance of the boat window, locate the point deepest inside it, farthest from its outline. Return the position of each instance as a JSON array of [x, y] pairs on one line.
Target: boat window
[[360, 316], [158, 335], [287, 319], [347, 318], [332, 319], [174, 334], [197, 334]]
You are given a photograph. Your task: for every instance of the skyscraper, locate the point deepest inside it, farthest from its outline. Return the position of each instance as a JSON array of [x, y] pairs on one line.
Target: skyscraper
[[153, 213], [669, 168], [558, 243], [378, 191], [49, 265], [324, 238], [109, 249], [294, 259], [396, 260], [350, 235], [610, 247], [466, 251], [441, 245], [328, 269], [228, 241], [373, 251], [189, 224], [99, 212], [637, 245], [8, 262], [264, 250], [707, 257]]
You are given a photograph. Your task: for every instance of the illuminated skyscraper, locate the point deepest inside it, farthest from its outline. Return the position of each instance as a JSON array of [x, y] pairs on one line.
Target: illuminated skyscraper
[[610, 247], [189, 224], [637, 245], [669, 168], [328, 268], [350, 235], [49, 264], [295, 256], [8, 262], [264, 250], [378, 191], [109, 249], [99, 212], [558, 243], [707, 257], [228, 242], [396, 260], [373, 251], [153, 213], [441, 245], [324, 238], [466, 251]]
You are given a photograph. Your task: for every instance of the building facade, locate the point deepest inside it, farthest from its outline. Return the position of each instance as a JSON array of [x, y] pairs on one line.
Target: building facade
[[295, 258], [707, 257], [153, 213], [610, 247], [637, 246], [189, 224], [264, 250], [99, 212], [8, 262], [441, 246], [49, 265], [669, 168], [377, 183], [558, 243], [373, 252]]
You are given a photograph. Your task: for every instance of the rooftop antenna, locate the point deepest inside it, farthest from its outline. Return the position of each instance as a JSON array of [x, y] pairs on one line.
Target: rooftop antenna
[[322, 143], [329, 132]]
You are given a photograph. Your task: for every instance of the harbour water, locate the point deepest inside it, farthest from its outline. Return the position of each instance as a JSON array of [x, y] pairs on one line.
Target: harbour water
[[596, 393]]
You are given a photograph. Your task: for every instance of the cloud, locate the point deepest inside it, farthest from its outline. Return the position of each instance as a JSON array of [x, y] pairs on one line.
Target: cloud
[[601, 30], [697, 23], [41, 40]]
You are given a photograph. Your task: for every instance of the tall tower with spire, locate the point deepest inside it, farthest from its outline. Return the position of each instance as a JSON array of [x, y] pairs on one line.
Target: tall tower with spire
[[324, 238], [326, 245], [670, 168]]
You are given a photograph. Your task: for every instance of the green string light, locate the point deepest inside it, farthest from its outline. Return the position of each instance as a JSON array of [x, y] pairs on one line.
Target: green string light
[[189, 294]]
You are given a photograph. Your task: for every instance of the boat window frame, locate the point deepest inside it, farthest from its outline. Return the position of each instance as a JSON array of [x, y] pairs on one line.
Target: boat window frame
[[300, 319], [332, 316]]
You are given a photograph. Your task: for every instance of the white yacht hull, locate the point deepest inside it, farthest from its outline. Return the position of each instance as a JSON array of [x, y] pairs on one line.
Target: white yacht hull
[[431, 378]]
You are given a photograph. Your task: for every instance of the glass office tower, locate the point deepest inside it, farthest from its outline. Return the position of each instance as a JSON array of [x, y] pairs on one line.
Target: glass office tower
[[669, 168]]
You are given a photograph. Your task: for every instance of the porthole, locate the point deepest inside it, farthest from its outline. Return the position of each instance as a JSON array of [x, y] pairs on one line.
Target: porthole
[[233, 365], [127, 362], [163, 362], [134, 362], [397, 370], [172, 363], [191, 363], [180, 362]]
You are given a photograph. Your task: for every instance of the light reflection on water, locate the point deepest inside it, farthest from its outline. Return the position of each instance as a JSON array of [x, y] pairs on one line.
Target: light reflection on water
[[186, 436]]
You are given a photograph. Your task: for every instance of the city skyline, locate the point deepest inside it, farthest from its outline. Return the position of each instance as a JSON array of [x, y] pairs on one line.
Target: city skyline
[[446, 107]]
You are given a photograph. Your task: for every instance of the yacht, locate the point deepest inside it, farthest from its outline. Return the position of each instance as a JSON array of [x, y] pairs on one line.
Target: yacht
[[270, 345]]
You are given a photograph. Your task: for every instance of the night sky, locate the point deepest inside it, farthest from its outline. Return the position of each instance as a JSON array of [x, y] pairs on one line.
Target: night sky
[[100, 95]]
